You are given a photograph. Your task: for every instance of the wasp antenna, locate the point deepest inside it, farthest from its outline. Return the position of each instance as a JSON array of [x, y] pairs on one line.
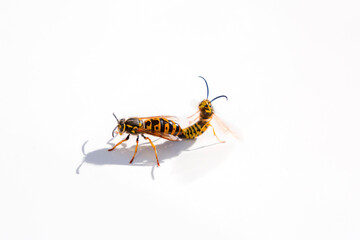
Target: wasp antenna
[[220, 97], [114, 131], [116, 118], [207, 87]]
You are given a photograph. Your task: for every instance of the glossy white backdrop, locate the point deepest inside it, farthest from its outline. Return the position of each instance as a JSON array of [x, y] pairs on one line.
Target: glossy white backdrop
[[289, 68]]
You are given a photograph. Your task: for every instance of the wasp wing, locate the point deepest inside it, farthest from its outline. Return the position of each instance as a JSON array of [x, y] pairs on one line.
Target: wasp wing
[[159, 134], [161, 116], [225, 127], [195, 119], [193, 114]]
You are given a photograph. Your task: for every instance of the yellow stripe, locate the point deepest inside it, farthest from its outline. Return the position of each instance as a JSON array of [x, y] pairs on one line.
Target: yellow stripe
[[198, 126], [166, 127], [196, 131], [149, 126], [174, 127], [157, 127]]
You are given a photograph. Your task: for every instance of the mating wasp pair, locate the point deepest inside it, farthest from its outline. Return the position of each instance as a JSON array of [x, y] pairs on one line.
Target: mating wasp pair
[[165, 127]]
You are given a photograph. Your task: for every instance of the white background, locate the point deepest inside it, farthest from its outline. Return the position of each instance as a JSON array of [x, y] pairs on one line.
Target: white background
[[289, 68]]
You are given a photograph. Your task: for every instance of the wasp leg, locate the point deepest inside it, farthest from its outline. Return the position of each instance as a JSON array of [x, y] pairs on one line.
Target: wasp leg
[[215, 133], [127, 138], [137, 143], [153, 148]]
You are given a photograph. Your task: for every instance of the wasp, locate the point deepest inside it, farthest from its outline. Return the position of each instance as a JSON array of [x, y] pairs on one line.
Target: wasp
[[206, 114], [158, 126]]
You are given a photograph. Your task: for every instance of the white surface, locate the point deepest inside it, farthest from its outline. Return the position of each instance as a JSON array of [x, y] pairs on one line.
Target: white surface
[[289, 68]]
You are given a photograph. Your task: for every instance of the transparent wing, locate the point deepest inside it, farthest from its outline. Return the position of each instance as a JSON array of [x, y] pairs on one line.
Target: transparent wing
[[161, 116], [193, 114], [159, 134], [195, 119], [226, 128]]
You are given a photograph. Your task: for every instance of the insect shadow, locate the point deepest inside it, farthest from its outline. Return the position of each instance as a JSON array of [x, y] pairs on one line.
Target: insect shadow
[[145, 155]]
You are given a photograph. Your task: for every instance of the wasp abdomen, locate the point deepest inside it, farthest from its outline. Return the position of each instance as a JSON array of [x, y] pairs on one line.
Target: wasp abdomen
[[195, 130], [163, 125]]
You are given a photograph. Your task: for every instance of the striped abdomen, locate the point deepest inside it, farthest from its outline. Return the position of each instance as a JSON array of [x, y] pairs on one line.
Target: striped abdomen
[[195, 130], [162, 125]]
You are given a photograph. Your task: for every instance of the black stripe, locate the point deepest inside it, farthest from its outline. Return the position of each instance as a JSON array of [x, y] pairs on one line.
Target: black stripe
[[170, 126], [188, 131], [147, 124], [177, 129], [192, 130], [154, 123], [162, 125], [197, 127]]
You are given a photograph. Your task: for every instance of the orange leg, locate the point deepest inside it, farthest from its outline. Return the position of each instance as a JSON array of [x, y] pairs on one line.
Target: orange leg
[[215, 134], [137, 143], [203, 129], [127, 138], [153, 148]]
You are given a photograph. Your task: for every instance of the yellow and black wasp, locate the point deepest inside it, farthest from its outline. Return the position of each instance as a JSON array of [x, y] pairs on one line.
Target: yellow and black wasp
[[164, 127], [158, 126], [206, 114]]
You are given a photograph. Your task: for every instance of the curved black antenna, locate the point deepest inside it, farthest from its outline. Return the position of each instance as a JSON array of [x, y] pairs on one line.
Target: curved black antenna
[[116, 118], [207, 87], [114, 131], [220, 97], [116, 126]]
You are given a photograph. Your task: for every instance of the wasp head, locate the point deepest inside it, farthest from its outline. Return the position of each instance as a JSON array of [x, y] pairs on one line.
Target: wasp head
[[120, 127], [206, 110]]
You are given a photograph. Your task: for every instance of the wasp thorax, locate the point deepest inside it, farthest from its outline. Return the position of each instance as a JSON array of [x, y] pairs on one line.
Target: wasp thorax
[[132, 124], [135, 122], [206, 110]]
